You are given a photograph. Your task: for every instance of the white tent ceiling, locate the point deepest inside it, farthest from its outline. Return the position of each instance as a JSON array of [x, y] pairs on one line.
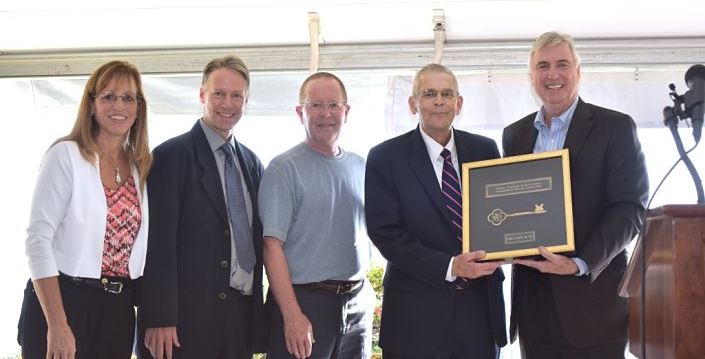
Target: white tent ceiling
[[88, 24], [638, 40], [45, 37]]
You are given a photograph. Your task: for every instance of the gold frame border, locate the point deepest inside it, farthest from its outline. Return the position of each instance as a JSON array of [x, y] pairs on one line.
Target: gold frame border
[[567, 198]]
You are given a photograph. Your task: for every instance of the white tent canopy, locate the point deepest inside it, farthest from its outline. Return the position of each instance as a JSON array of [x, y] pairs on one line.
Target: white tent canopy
[[47, 38], [86, 24]]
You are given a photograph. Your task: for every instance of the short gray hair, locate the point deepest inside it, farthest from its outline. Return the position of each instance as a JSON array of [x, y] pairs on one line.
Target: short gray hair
[[554, 38], [433, 68]]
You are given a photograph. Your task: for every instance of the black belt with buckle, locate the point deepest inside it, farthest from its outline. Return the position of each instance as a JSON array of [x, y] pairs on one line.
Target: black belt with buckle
[[112, 285], [333, 286]]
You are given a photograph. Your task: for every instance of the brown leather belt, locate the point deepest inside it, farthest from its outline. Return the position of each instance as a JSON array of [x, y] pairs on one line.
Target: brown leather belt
[[333, 286], [111, 285]]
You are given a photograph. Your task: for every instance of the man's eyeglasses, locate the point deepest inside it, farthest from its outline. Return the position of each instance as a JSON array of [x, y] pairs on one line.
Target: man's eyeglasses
[[318, 106], [110, 97], [433, 94]]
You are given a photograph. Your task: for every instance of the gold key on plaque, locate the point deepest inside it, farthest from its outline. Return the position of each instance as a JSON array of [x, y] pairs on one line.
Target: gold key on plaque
[[497, 216]]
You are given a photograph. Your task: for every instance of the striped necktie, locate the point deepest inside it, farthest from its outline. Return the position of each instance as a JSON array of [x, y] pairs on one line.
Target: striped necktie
[[453, 201], [451, 195]]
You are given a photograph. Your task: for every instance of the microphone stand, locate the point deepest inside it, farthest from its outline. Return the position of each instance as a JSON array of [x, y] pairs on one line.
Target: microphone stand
[[688, 163], [670, 119]]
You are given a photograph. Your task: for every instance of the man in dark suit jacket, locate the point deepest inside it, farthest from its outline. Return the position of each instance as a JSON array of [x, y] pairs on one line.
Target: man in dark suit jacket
[[438, 303], [567, 305], [199, 298]]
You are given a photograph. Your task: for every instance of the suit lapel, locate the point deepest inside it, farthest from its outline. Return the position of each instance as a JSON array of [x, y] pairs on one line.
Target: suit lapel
[[465, 153], [248, 169], [250, 172], [580, 126], [423, 169], [467, 150], [524, 144], [210, 179]]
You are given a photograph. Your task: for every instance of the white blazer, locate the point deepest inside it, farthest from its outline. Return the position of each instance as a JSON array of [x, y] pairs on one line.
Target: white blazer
[[68, 217]]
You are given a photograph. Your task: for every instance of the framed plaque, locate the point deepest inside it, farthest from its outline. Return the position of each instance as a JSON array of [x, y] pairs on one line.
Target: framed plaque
[[513, 205]]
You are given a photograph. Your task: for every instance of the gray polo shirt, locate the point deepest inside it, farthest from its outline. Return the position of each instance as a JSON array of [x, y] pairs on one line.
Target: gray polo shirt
[[315, 205]]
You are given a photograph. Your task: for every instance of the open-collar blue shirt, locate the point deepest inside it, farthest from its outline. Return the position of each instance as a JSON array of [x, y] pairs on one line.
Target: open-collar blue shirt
[[552, 138]]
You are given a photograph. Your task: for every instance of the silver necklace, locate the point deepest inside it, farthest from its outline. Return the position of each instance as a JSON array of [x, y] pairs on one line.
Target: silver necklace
[[118, 178]]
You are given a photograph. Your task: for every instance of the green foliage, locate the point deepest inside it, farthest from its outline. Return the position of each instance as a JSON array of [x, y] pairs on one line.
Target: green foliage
[[375, 276]]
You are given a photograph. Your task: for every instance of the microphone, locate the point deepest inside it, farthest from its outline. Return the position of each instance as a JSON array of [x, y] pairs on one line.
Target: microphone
[[690, 104], [694, 98]]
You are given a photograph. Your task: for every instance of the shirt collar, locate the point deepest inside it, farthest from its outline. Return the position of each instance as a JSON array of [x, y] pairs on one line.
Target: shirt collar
[[213, 138], [434, 148], [563, 118]]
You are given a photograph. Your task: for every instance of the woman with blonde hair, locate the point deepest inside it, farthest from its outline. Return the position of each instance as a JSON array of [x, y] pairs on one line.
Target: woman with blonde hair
[[87, 236]]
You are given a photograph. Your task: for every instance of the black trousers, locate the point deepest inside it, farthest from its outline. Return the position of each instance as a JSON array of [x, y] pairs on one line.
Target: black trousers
[[545, 339], [541, 351], [226, 337], [102, 323], [342, 323], [460, 340]]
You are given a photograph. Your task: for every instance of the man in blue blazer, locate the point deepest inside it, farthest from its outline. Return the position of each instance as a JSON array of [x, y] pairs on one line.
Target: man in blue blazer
[[201, 293], [438, 303], [567, 305]]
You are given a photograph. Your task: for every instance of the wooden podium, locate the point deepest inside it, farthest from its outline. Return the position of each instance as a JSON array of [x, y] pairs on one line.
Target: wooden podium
[[675, 285]]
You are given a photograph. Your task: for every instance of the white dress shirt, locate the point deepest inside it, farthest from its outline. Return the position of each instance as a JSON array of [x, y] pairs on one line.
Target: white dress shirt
[[434, 152]]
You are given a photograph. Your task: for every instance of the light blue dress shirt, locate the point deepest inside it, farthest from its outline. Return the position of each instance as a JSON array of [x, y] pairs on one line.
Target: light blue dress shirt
[[552, 139]]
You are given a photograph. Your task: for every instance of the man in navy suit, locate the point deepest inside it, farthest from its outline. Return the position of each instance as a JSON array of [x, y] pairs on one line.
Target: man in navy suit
[[567, 306], [438, 303], [201, 293]]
